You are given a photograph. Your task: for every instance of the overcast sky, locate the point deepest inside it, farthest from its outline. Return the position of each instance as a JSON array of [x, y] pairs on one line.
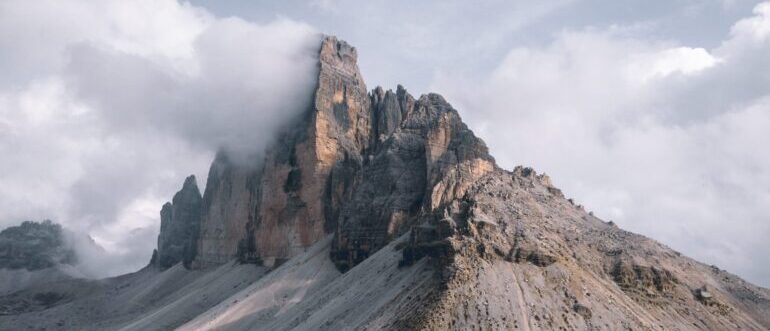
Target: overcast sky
[[655, 115]]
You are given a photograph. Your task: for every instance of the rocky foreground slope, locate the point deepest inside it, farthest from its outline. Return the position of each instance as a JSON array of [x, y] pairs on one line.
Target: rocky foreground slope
[[378, 210]]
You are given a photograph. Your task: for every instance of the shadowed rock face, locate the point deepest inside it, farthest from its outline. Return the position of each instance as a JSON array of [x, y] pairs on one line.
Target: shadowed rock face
[[179, 227], [422, 157]]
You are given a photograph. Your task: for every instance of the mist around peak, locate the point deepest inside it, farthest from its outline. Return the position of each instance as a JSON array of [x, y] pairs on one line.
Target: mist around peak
[[107, 107]]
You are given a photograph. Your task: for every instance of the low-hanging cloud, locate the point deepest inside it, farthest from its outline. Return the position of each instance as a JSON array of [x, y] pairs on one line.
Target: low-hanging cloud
[[245, 81], [107, 106], [664, 139]]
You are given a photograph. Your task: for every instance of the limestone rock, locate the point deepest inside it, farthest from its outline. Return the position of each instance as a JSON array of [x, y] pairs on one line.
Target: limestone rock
[[275, 208], [228, 204], [179, 227], [428, 159], [548, 264], [357, 164]]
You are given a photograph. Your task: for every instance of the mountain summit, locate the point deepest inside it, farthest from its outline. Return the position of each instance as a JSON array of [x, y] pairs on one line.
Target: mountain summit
[[378, 210], [362, 166]]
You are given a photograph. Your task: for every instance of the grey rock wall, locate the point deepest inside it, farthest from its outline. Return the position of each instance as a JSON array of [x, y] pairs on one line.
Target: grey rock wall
[[357, 164], [179, 227]]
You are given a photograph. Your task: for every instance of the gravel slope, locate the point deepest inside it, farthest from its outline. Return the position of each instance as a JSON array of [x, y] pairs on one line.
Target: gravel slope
[[145, 300]]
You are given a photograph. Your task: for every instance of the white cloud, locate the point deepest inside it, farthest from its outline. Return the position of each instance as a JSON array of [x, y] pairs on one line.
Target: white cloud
[[35, 34], [683, 60], [756, 27], [106, 106], [665, 139]]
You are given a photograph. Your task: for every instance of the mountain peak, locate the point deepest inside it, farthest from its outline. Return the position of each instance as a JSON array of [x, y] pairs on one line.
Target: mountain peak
[[179, 227], [190, 184], [333, 47]]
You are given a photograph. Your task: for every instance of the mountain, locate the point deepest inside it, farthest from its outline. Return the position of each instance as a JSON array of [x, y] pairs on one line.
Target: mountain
[[33, 246], [179, 227], [378, 210]]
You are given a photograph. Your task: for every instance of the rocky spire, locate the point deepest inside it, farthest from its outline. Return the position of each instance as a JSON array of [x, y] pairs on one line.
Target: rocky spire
[[356, 164], [179, 226], [273, 210]]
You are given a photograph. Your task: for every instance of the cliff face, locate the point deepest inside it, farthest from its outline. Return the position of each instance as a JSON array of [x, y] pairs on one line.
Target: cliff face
[[357, 164], [421, 157], [272, 210], [179, 227]]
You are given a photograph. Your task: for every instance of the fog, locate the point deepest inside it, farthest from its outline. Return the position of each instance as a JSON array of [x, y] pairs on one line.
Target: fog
[[108, 106]]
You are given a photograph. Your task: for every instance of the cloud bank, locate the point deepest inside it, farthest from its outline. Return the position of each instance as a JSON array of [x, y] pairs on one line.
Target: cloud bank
[[106, 106], [665, 139]]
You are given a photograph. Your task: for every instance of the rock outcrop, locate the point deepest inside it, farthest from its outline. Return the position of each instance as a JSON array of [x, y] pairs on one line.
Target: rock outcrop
[[272, 210], [360, 165], [34, 246], [514, 253], [422, 157], [179, 227]]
